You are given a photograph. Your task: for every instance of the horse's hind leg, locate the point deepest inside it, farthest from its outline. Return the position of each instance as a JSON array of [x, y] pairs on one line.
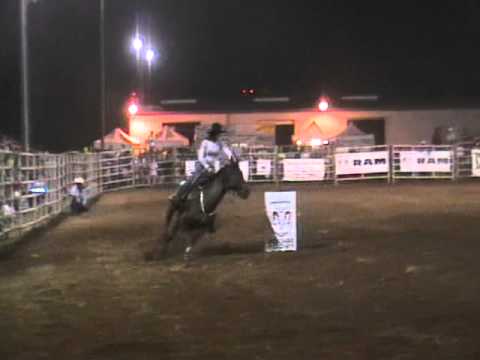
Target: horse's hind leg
[[169, 235], [160, 249]]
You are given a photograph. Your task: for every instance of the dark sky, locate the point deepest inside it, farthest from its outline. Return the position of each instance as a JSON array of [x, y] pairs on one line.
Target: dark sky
[[213, 48]]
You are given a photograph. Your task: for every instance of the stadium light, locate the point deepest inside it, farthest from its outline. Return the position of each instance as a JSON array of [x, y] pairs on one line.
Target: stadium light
[[323, 105], [137, 43], [150, 56]]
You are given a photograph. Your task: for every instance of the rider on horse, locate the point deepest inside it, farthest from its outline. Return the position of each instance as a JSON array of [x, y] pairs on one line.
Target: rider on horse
[[209, 152]]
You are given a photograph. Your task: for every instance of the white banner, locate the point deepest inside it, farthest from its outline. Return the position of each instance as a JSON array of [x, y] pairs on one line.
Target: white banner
[[303, 169], [281, 210], [190, 168], [245, 169], [475, 162], [264, 167], [362, 163], [425, 161]]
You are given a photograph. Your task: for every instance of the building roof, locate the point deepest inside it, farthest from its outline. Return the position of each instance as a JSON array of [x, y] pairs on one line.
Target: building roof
[[246, 105]]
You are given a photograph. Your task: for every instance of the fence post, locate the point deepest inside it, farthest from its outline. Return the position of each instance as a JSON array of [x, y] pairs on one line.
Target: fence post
[[454, 162], [275, 167], [391, 166], [175, 166], [334, 162]]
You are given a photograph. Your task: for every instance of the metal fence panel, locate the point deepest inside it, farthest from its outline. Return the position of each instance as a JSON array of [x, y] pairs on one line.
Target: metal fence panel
[[23, 175], [362, 163], [464, 163], [423, 162]]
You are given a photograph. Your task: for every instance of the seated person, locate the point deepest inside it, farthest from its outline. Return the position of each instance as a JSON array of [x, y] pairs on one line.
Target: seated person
[[79, 199]]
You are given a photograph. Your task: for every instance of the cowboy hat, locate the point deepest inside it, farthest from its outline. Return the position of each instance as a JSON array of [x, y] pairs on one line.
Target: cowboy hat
[[216, 128], [79, 180]]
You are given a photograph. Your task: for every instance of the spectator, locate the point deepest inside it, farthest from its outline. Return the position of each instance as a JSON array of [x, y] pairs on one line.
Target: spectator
[[6, 215], [153, 166], [79, 199]]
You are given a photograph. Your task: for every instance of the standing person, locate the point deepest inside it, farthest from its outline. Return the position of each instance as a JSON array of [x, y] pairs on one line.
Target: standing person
[[208, 153], [6, 215], [77, 193], [153, 168]]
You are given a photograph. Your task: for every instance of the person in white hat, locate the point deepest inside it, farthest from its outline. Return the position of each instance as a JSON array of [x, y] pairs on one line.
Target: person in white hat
[[77, 193], [209, 153]]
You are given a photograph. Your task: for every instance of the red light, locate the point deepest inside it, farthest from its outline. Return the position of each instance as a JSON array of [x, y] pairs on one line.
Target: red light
[[323, 105], [244, 91], [132, 109], [251, 91]]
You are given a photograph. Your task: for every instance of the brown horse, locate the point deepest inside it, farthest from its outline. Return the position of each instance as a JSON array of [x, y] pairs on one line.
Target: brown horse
[[196, 216]]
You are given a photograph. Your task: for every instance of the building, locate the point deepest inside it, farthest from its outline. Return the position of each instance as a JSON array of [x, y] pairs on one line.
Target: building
[[284, 123]]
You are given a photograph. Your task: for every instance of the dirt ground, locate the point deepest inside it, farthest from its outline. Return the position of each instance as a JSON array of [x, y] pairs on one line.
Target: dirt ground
[[386, 272]]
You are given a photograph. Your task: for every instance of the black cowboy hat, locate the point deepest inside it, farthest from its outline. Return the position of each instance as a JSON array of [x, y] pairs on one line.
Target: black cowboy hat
[[216, 129]]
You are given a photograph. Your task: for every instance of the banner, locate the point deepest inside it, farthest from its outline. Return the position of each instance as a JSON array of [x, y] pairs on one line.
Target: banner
[[426, 161], [244, 167], [281, 210], [303, 169], [362, 163], [264, 167], [475, 162]]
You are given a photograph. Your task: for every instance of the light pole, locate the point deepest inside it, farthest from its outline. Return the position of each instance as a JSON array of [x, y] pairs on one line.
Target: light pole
[[102, 70], [25, 92]]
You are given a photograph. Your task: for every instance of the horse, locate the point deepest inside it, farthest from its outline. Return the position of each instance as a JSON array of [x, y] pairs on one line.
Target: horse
[[196, 215]]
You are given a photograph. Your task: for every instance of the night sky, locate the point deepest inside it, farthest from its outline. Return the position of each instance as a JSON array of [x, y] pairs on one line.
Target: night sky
[[210, 49]]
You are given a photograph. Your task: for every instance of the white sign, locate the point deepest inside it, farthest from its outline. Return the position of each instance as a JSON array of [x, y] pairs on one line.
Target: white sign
[[475, 162], [190, 168], [264, 167], [303, 169], [245, 169], [362, 163], [281, 210], [426, 161]]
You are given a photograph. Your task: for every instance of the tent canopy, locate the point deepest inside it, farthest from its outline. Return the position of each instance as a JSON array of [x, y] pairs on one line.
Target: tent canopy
[[353, 136], [168, 137], [116, 139]]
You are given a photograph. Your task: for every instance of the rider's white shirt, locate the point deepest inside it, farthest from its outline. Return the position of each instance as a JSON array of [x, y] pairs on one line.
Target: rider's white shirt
[[210, 151]]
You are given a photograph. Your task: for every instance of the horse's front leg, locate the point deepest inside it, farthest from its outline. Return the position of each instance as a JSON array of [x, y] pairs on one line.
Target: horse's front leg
[[191, 239], [211, 224]]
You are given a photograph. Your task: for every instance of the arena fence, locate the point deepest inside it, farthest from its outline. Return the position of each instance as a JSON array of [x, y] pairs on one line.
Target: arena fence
[[34, 187]]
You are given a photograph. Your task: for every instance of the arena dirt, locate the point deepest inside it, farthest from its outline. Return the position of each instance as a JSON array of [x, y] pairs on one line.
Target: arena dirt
[[386, 272]]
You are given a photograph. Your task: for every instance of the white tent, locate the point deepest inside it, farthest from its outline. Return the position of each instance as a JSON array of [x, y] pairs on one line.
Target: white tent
[[353, 136]]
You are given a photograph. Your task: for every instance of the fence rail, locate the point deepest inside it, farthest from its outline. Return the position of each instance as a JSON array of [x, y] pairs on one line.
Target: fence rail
[[23, 175]]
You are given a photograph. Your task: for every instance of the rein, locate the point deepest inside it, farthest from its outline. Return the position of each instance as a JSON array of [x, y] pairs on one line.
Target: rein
[[202, 205]]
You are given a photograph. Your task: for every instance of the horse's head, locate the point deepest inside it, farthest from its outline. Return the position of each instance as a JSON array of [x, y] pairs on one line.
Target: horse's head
[[233, 179]]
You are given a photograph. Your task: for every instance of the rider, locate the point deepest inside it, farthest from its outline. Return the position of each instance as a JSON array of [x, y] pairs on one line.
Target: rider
[[208, 153]]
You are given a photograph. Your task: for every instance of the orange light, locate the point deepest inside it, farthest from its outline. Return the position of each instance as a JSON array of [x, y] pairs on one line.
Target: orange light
[[323, 105], [299, 143], [132, 109], [316, 142], [138, 127]]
